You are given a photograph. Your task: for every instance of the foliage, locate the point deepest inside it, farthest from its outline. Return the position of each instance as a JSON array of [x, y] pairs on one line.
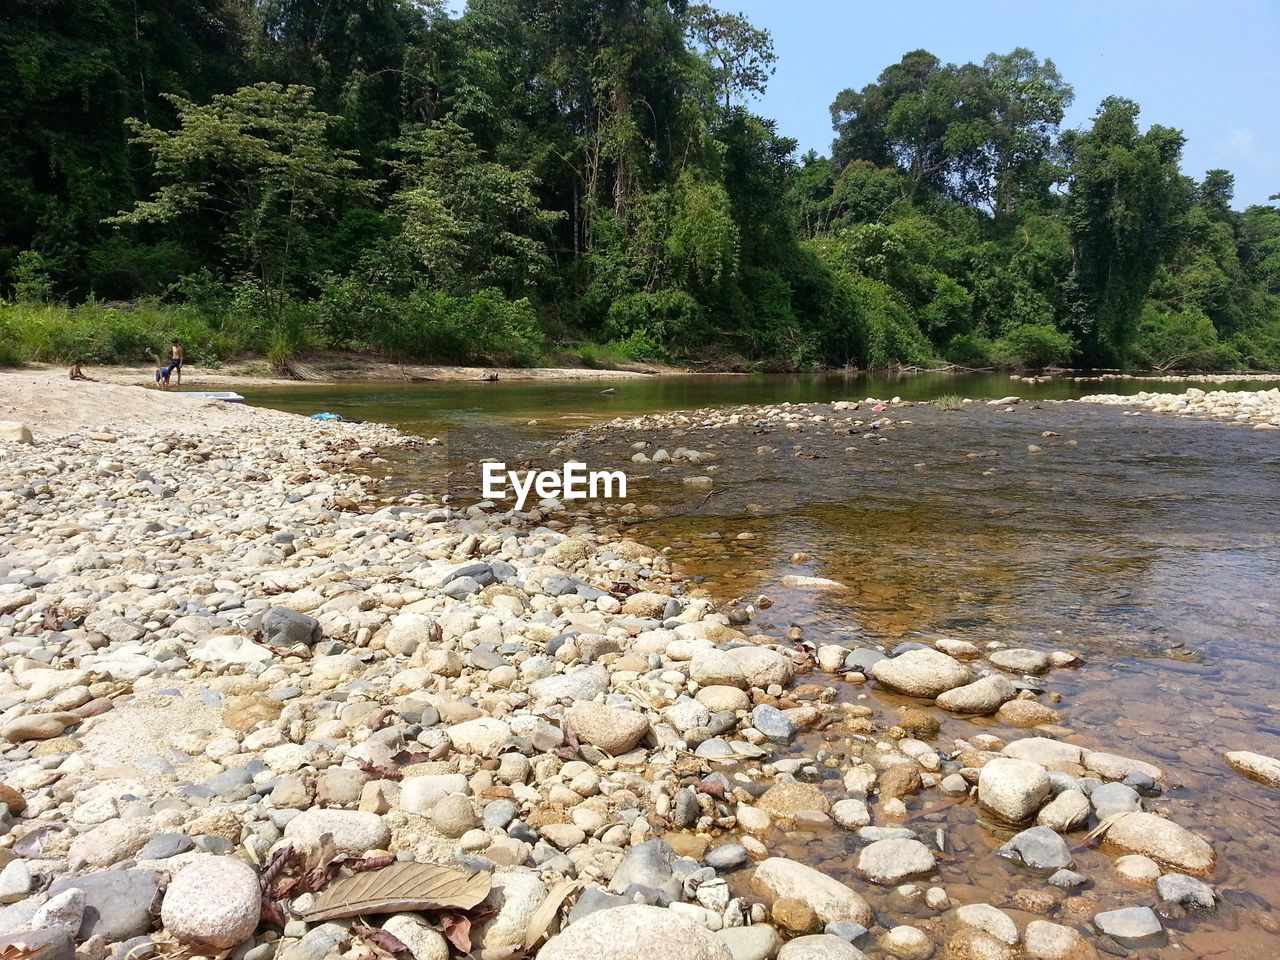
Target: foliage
[[487, 184], [31, 280], [257, 169], [949, 402], [1180, 341], [1033, 345]]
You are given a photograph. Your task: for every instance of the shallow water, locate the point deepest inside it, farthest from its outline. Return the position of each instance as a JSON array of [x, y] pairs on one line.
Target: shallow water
[[1149, 544], [427, 407]]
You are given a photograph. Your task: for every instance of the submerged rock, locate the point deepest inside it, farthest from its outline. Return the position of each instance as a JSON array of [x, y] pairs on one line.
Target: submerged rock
[[1255, 766]]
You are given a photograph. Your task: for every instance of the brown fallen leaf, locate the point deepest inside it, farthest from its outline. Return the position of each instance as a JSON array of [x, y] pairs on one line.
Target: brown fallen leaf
[[400, 887], [384, 941]]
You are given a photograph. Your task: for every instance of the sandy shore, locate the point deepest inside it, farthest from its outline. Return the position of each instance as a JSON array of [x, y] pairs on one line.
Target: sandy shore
[[51, 405], [347, 368]]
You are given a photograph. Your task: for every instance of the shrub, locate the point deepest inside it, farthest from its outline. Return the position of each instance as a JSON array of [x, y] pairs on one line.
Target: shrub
[[949, 401], [482, 327], [1185, 340], [969, 350], [1033, 345], [890, 335], [670, 318]]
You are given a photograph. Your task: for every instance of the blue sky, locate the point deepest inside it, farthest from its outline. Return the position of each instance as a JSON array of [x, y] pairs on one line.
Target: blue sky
[[1211, 69]]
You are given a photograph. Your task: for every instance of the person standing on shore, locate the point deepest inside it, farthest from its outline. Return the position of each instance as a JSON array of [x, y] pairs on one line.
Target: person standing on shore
[[175, 358]]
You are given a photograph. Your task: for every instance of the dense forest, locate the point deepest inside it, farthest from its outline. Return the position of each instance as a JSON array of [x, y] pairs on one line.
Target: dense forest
[[537, 177]]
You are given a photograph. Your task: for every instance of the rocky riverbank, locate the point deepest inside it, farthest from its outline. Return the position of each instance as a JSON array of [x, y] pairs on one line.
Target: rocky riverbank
[[1260, 408], [243, 696]]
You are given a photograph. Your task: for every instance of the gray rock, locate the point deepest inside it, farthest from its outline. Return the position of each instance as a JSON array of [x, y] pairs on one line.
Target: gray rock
[[863, 659], [318, 943], [716, 748], [1019, 660], [845, 930], [686, 810], [729, 857], [1186, 891], [1113, 798], [820, 946], [164, 846], [1067, 879], [1131, 923], [461, 588], [498, 813], [592, 900], [118, 904], [773, 723], [635, 932], [648, 864], [282, 627], [756, 942], [586, 683], [890, 861], [1039, 848]]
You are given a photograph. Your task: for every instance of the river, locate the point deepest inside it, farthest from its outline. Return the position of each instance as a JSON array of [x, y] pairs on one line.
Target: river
[[1149, 544]]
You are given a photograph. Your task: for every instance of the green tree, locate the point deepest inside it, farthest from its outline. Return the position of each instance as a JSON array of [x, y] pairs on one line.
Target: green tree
[[470, 222], [1014, 137], [741, 54], [1125, 208], [257, 167]]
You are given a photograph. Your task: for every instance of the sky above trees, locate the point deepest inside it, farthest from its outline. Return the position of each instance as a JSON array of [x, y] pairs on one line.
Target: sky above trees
[[1209, 68]]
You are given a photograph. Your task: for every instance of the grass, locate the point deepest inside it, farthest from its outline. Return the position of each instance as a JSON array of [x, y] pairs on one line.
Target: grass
[[97, 334], [949, 401]]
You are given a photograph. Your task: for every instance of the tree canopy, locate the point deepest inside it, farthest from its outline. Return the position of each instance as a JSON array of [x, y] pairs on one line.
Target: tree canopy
[[538, 174]]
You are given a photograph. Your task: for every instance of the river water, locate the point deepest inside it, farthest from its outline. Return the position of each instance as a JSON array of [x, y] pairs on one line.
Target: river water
[[1149, 544]]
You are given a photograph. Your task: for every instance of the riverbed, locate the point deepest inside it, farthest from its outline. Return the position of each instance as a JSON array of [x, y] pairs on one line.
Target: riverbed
[[1148, 544]]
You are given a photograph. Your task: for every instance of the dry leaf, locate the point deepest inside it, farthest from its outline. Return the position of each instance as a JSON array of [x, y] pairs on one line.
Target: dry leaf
[[384, 941], [400, 887], [456, 928], [1102, 828], [548, 912]]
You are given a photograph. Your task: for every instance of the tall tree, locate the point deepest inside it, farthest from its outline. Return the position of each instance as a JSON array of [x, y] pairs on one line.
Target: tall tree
[[1125, 205], [258, 168], [741, 54]]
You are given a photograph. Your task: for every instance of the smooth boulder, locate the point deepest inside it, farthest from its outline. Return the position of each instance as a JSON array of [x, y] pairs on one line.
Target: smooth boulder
[[1014, 790], [1163, 841], [921, 673], [778, 878], [635, 932]]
